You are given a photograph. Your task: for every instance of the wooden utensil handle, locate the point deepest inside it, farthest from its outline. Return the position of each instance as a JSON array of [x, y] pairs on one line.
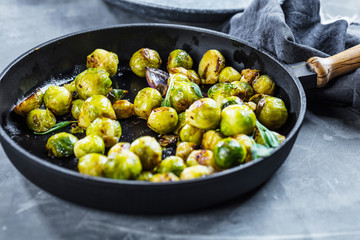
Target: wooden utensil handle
[[339, 64]]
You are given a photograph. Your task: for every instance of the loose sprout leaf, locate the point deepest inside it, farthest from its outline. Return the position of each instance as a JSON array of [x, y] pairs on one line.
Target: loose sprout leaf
[[166, 102], [196, 89], [258, 150], [270, 139], [56, 127], [116, 94]]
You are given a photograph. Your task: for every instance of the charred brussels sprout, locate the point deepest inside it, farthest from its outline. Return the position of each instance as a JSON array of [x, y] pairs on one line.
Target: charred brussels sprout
[[190, 74], [249, 75], [123, 109], [264, 85], [184, 149], [40, 120], [145, 176], [237, 119], [89, 144], [93, 81], [164, 177], [246, 88], [181, 123], [204, 114], [58, 100], [210, 66], [162, 120], [229, 75], [145, 101], [202, 157], [109, 130], [119, 147], [220, 91], [103, 59], [210, 139], [92, 164], [192, 134], [233, 100], [182, 95], [143, 58], [245, 140], [172, 164], [94, 107], [229, 153], [61, 145], [195, 171], [179, 58], [271, 112], [123, 165], [76, 106], [148, 150], [32, 102]]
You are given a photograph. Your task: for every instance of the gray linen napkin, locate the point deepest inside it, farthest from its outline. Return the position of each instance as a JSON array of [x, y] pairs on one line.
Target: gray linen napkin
[[292, 32]]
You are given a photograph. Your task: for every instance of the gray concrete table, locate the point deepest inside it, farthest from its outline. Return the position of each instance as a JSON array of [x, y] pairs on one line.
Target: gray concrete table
[[314, 195]]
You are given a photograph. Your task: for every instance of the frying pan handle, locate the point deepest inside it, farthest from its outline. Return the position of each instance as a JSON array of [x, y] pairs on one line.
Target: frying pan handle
[[334, 66]]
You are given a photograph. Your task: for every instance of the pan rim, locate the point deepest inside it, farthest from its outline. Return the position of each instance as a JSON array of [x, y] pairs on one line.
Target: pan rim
[[131, 183]]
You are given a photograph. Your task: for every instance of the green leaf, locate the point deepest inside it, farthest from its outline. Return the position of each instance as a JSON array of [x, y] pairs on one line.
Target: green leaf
[[56, 127], [258, 150], [196, 89], [270, 139], [166, 102], [116, 94]]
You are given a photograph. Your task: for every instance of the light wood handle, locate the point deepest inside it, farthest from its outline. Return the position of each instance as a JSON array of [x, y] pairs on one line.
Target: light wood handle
[[334, 66]]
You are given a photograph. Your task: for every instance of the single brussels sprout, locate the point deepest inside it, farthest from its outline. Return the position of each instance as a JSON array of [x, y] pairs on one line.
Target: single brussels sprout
[[264, 85], [76, 106], [233, 100], [123, 165], [57, 100], [245, 140], [92, 164], [72, 89], [184, 149], [229, 153], [251, 105], [119, 147], [164, 177], [195, 171], [40, 120], [202, 157], [30, 103], [192, 134], [109, 130], [182, 95], [190, 74], [181, 123], [220, 91], [172, 164], [229, 75], [123, 109], [92, 81], [258, 138], [162, 120], [179, 58], [249, 75], [94, 107], [178, 77], [247, 88], [89, 144], [61, 145], [210, 66], [145, 176], [103, 59], [204, 114], [143, 58], [210, 139], [271, 112], [148, 150], [145, 101], [237, 119]]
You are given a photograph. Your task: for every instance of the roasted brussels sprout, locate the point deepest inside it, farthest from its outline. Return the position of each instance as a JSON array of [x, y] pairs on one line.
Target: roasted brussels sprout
[[94, 107], [76, 106], [93, 81], [30, 103], [190, 74], [179, 58], [164, 177], [204, 114], [251, 105], [119, 147], [249, 75], [247, 88], [210, 139], [108, 129], [148, 150], [89, 144], [163, 120], [210, 66], [40, 120], [229, 153], [271, 112], [184, 149], [229, 75], [167, 140], [57, 100], [145, 176], [171, 164], [264, 85], [103, 59], [244, 140], [123, 165], [123, 109], [220, 91], [145, 101], [143, 58], [182, 95], [61, 145], [195, 171], [202, 157], [192, 134], [233, 100], [181, 123], [237, 119], [92, 164]]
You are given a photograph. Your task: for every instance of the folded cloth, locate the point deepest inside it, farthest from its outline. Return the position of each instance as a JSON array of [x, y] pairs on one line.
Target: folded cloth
[[292, 32]]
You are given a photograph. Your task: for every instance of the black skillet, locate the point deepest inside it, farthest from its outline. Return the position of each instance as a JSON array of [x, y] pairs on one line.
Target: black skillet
[[61, 59]]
